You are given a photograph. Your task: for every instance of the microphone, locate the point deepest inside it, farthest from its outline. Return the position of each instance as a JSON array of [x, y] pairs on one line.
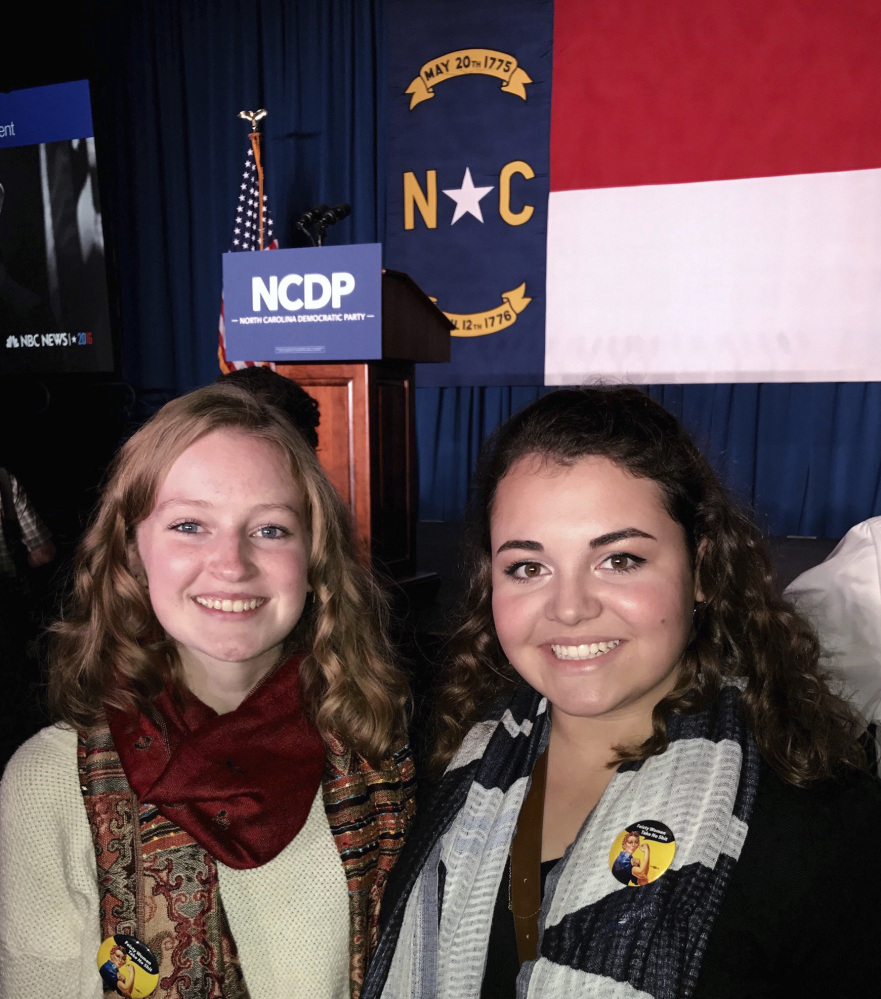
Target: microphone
[[336, 214], [312, 216]]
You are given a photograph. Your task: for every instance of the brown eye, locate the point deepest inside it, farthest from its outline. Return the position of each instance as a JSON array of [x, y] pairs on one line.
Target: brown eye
[[622, 562], [525, 570]]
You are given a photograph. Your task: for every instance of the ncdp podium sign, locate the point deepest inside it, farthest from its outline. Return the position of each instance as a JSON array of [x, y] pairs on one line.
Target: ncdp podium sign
[[312, 304]]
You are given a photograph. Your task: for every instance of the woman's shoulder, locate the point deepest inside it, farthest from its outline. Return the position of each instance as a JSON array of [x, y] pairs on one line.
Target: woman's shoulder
[[817, 826], [40, 797], [342, 760], [839, 803], [49, 757], [805, 878]]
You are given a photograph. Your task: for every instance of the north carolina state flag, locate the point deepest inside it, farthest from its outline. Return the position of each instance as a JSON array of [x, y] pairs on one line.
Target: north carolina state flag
[[715, 206], [714, 172]]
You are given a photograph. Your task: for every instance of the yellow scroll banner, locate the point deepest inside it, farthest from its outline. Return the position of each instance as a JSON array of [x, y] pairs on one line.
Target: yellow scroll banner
[[493, 320], [468, 62]]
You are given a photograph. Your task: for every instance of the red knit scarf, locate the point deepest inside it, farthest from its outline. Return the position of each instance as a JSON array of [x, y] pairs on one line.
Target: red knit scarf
[[241, 784]]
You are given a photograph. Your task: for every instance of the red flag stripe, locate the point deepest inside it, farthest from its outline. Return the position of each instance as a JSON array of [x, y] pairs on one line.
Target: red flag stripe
[[683, 91]]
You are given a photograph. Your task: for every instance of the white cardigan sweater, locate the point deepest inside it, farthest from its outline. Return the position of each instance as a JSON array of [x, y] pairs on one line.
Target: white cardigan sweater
[[289, 918]]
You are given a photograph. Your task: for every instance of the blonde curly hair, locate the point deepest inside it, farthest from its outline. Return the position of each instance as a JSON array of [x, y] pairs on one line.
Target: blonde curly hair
[[109, 632]]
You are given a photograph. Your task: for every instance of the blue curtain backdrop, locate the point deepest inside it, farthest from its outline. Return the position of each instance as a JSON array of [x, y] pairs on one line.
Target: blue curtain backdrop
[[168, 77], [806, 458]]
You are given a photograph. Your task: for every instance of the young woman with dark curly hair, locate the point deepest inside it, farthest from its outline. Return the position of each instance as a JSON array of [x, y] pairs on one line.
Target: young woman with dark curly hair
[[627, 695], [229, 782]]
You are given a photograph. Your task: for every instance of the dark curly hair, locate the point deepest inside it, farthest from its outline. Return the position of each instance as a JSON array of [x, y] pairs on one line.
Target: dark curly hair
[[743, 630]]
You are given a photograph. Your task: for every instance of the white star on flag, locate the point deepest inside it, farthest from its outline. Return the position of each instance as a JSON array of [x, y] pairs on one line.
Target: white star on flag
[[467, 198]]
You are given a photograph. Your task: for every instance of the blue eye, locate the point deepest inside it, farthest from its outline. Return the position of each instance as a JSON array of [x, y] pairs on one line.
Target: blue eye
[[272, 532], [186, 527]]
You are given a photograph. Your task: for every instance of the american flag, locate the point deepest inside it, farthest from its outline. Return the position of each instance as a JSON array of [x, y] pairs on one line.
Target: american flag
[[246, 236]]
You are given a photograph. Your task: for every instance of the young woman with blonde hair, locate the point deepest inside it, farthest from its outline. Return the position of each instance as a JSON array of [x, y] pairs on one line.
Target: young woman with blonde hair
[[228, 783]]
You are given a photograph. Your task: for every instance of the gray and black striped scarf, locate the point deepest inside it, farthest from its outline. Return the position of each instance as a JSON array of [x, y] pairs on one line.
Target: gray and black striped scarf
[[597, 937]]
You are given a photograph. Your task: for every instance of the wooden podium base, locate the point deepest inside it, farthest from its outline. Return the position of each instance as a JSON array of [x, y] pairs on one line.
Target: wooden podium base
[[367, 447]]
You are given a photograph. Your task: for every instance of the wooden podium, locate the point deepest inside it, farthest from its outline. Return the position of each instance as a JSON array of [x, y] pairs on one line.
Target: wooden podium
[[366, 437]]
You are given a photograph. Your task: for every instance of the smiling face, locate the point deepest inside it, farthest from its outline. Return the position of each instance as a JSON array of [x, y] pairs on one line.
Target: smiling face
[[593, 589], [225, 552]]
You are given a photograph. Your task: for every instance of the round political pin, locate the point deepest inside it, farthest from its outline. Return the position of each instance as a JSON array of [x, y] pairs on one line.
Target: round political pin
[[128, 966], [642, 852]]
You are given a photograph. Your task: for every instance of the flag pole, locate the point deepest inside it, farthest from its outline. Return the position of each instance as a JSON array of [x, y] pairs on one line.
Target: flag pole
[[255, 145], [253, 117]]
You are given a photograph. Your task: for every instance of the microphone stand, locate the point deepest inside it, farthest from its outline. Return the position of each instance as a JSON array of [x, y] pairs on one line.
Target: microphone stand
[[320, 217]]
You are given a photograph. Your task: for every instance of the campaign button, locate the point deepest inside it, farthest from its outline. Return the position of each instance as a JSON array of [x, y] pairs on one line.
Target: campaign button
[[642, 852], [128, 966]]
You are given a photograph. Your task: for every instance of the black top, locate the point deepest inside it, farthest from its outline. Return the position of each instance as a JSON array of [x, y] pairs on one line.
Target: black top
[[502, 961], [799, 918]]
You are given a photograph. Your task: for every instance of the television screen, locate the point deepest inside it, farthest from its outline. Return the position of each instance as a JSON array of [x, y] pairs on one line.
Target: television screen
[[54, 311]]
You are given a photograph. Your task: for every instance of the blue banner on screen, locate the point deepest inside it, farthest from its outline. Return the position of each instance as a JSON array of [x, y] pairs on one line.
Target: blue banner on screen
[[54, 309], [312, 304], [45, 114], [469, 127]]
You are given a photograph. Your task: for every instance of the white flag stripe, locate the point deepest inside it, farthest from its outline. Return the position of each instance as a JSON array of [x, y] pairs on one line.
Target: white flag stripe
[[772, 279]]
